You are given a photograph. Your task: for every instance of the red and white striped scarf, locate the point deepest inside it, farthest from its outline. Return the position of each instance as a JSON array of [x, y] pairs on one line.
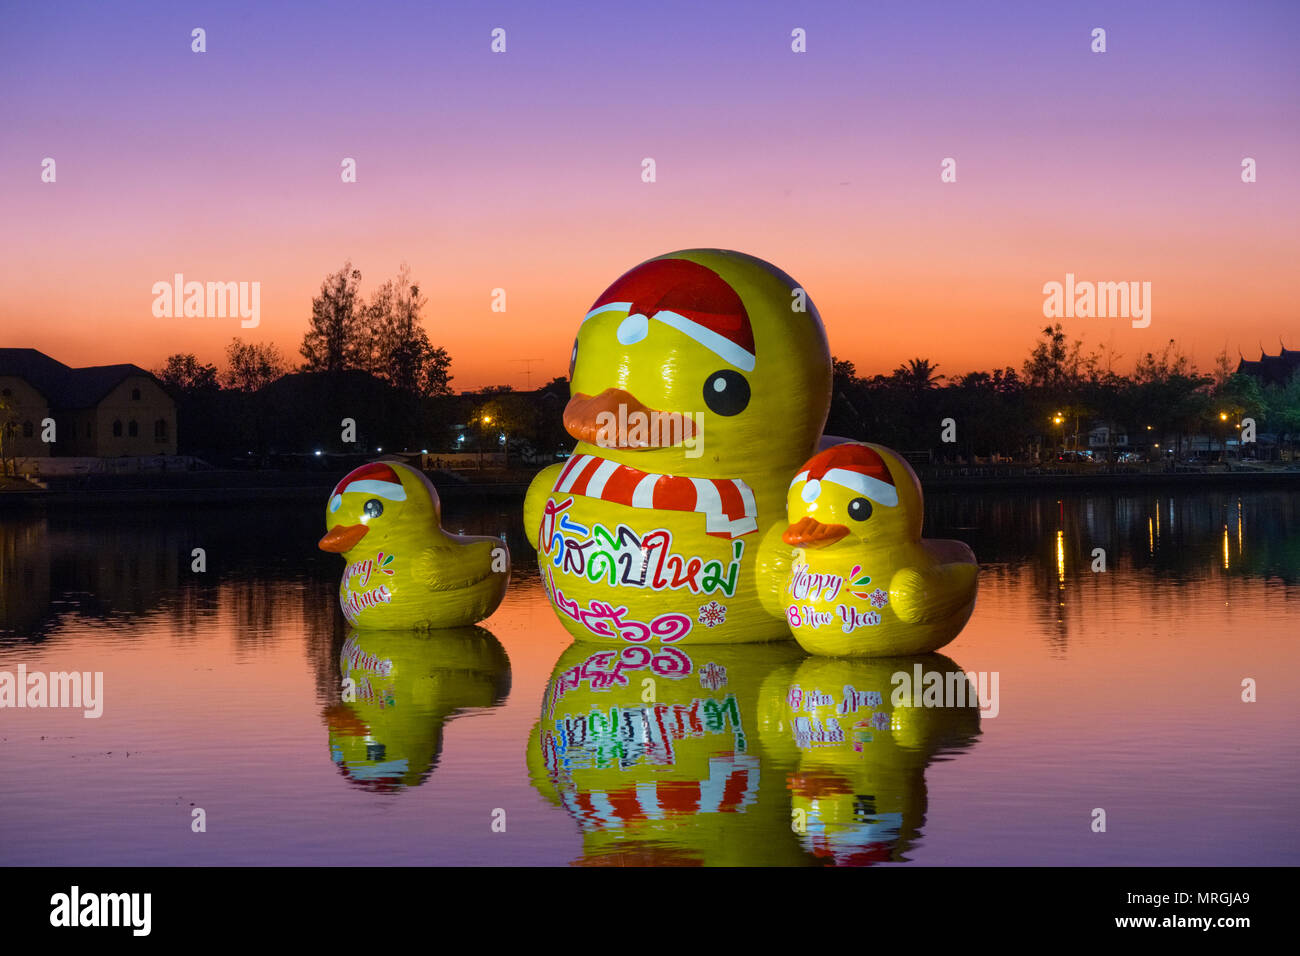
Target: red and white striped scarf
[[727, 503], [732, 785]]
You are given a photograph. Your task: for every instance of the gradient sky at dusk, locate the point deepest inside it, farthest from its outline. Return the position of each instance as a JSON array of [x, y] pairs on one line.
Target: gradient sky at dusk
[[522, 170]]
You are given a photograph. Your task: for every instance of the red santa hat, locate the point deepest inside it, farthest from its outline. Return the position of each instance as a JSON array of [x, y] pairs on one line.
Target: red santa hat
[[851, 466], [686, 296], [375, 479]]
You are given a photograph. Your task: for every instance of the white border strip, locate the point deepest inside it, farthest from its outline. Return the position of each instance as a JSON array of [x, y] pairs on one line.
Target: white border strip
[[873, 488]]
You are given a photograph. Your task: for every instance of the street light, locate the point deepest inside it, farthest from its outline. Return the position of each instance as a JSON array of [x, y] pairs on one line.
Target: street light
[[485, 420]]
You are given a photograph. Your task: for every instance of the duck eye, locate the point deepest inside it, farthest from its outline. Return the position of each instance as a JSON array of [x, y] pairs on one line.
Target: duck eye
[[859, 509], [726, 392], [336, 502], [573, 359], [373, 508]]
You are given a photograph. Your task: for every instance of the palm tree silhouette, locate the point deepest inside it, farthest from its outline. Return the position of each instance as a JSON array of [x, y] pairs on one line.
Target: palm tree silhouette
[[918, 374]]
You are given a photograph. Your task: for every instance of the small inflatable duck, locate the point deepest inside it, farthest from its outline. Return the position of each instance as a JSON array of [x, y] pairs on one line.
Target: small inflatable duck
[[699, 381], [403, 571], [861, 581]]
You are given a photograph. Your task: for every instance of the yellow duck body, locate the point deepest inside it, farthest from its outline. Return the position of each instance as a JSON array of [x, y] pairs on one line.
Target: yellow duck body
[[861, 582], [651, 533], [403, 571]]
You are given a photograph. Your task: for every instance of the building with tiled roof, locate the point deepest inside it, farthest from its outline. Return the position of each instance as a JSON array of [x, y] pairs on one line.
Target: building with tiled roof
[[103, 411]]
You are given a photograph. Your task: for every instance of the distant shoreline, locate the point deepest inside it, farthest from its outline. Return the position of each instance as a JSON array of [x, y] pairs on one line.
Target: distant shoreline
[[278, 490], [11, 499]]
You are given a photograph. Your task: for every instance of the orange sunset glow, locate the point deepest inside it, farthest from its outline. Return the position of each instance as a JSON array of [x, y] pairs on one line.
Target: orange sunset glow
[[227, 168]]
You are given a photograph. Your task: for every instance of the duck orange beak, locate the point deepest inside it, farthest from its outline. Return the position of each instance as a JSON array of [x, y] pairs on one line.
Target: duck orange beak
[[811, 533], [587, 418], [342, 538]]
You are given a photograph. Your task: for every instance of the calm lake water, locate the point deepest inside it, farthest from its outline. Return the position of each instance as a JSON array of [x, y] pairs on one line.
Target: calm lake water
[[1119, 690]]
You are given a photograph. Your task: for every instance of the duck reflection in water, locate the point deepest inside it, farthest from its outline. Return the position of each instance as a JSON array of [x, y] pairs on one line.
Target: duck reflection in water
[[741, 755], [858, 735], [653, 751], [397, 691]]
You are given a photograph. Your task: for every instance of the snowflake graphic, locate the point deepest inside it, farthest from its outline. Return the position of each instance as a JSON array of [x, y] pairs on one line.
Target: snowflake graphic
[[712, 614], [713, 676], [879, 598]]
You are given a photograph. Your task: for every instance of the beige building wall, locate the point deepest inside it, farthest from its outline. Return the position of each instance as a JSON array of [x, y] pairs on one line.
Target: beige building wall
[[135, 418], [77, 431], [27, 408]]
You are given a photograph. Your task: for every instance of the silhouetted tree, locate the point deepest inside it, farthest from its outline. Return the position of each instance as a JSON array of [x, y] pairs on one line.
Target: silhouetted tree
[[251, 366], [1282, 408], [917, 374], [1055, 363], [184, 372], [506, 413], [8, 438], [395, 345], [333, 342]]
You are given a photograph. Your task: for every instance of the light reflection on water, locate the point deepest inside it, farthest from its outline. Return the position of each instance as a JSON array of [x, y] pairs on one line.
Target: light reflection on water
[[224, 690]]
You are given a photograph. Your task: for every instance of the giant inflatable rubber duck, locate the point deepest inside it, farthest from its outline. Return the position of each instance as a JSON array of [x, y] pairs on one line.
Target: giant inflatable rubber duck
[[859, 735], [699, 382], [861, 581], [403, 570]]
